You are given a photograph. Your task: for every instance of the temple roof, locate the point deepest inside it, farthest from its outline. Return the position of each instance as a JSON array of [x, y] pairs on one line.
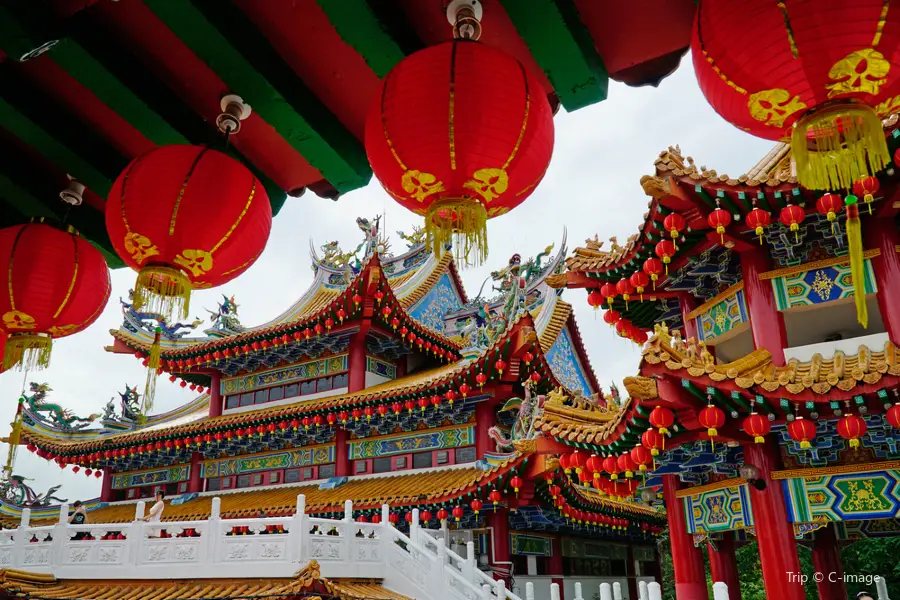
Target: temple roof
[[306, 582]]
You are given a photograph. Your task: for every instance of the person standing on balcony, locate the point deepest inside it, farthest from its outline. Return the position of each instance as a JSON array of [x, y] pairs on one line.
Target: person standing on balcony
[[155, 514], [78, 517]]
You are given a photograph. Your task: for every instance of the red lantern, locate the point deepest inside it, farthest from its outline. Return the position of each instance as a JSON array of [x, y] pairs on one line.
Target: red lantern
[[425, 516], [362, 519], [481, 379], [495, 496], [758, 219], [476, 505], [611, 466], [831, 107], [625, 288], [653, 268], [639, 280], [852, 427], [712, 417], [576, 461], [626, 464], [719, 219], [442, 515], [500, 365], [564, 463], [758, 426], [554, 491], [458, 513], [641, 457], [464, 390], [595, 465], [662, 418], [595, 299], [866, 187], [802, 431], [791, 217], [376, 518], [608, 291], [611, 317], [159, 221], [450, 396], [393, 518], [674, 224], [653, 441], [56, 284], [423, 403], [515, 483], [431, 148], [830, 205], [893, 416], [666, 250]]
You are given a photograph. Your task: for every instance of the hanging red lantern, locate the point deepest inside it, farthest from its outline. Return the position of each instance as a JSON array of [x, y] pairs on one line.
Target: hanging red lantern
[[594, 465], [666, 250], [554, 491], [564, 463], [641, 457], [495, 496], [893, 416], [476, 505], [608, 291], [662, 418], [160, 223], [831, 107], [56, 285], [830, 205], [719, 219], [450, 396], [625, 288], [459, 176], [626, 465], [611, 466], [791, 217], [535, 377], [595, 299], [611, 317], [639, 280], [464, 390], [712, 417], [425, 515], [674, 224], [758, 220], [442, 515], [481, 379], [500, 365], [803, 431], [852, 427], [758, 426], [576, 461], [458, 513], [654, 268], [393, 518], [866, 187], [376, 518], [515, 482]]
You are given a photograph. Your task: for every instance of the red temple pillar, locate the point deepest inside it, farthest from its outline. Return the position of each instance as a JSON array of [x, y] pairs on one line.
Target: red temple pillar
[[631, 572], [498, 521], [555, 566], [766, 321], [687, 302], [687, 560], [826, 559], [775, 534], [106, 491], [215, 394], [484, 420], [882, 234], [723, 565], [356, 363], [195, 483], [341, 453]]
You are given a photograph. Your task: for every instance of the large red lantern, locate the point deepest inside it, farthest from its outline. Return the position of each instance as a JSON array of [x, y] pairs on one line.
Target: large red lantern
[[666, 250], [186, 217], [611, 317], [712, 417], [719, 219], [830, 205], [758, 426], [791, 217], [639, 280], [674, 224], [56, 285], [758, 219], [625, 288], [626, 464], [823, 73], [852, 427], [461, 132], [653, 441], [654, 268], [803, 431], [611, 466], [608, 291], [641, 457], [893, 416], [662, 418], [595, 299]]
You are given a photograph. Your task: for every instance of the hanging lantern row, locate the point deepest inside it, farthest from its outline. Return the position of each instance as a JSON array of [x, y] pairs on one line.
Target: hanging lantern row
[[411, 332], [566, 497]]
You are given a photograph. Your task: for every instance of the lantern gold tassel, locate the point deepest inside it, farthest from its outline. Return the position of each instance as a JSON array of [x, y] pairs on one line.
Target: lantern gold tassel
[[462, 221], [835, 146], [27, 351], [153, 362], [857, 265], [163, 290]]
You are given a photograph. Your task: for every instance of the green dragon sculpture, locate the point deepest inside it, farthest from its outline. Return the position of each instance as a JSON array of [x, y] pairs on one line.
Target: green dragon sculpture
[[53, 414]]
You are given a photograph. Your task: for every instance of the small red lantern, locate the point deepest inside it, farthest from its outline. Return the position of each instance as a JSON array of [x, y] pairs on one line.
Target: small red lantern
[[852, 427], [516, 483], [712, 417], [458, 513], [554, 491], [464, 390], [341, 315], [564, 463], [608, 291], [611, 466], [674, 224], [666, 250], [500, 365], [536, 377], [423, 403], [611, 317], [758, 219], [639, 280], [893, 416], [495, 496], [595, 299], [376, 518], [803, 431], [830, 205], [758, 426], [719, 219], [866, 187], [442, 515], [662, 418], [476, 505], [393, 518], [450, 396], [654, 268], [481, 379], [425, 515], [641, 457], [626, 464], [625, 288], [595, 465], [791, 217]]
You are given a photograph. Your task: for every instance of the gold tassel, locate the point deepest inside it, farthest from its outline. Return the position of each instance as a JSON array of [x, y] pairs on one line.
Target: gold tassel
[[463, 222], [153, 362], [15, 435], [847, 143], [27, 351], [163, 290], [857, 264]]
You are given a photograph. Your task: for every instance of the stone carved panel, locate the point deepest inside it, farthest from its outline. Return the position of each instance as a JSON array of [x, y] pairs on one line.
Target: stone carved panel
[[238, 551], [79, 555], [186, 552], [271, 550], [37, 556], [109, 555], [157, 553]]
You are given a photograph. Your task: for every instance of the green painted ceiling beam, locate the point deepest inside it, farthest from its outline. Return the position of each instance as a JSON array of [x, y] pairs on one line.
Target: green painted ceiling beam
[[563, 48], [222, 37], [359, 26]]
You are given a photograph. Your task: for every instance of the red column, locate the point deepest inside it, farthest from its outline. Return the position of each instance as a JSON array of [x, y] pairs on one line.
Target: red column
[[555, 566], [215, 394], [826, 559], [498, 521], [766, 321], [106, 491], [723, 565], [195, 483], [631, 572], [484, 420], [687, 302], [341, 453], [882, 234], [690, 575], [775, 535], [356, 363]]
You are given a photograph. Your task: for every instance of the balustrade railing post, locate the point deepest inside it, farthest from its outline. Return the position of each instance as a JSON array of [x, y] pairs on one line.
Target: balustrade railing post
[[486, 591], [881, 588], [349, 536], [213, 533], [617, 590], [135, 535], [643, 590], [605, 591], [445, 533], [554, 591], [655, 591], [469, 566], [720, 590], [500, 589], [297, 531], [529, 591], [578, 595], [20, 541], [414, 527], [60, 535]]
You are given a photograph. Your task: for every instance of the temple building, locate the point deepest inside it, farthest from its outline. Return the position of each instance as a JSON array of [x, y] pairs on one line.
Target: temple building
[[384, 384]]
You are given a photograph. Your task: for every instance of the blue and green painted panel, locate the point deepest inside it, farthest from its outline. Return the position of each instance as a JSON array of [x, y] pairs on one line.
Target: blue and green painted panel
[[820, 285], [727, 509], [440, 300], [722, 317], [381, 368], [122, 481], [301, 457], [530, 545], [847, 497], [565, 364], [300, 372], [417, 442]]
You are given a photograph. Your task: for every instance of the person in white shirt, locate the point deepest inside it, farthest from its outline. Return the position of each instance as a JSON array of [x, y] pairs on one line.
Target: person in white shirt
[[155, 514]]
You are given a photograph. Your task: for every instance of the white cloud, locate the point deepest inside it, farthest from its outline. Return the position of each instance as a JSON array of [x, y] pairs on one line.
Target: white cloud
[[592, 186]]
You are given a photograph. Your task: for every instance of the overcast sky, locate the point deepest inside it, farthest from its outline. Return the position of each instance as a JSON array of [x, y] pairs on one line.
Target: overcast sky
[[592, 186]]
